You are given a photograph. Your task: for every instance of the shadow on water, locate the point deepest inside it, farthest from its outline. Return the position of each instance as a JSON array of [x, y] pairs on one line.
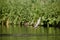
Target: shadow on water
[[15, 32]]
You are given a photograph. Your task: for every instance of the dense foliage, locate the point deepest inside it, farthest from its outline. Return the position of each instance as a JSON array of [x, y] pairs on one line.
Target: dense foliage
[[17, 11]]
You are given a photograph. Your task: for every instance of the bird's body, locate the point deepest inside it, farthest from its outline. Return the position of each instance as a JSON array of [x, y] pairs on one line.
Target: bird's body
[[38, 22]]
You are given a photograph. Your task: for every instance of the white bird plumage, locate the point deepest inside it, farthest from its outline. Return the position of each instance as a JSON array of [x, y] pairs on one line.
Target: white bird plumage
[[38, 22]]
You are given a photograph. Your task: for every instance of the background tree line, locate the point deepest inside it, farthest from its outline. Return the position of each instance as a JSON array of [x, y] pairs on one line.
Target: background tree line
[[20, 11]]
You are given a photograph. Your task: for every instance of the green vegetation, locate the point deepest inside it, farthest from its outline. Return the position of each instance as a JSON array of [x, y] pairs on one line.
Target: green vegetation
[[17, 11]]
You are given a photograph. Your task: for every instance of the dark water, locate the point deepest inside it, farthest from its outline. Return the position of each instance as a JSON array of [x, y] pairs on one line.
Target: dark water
[[16, 32]]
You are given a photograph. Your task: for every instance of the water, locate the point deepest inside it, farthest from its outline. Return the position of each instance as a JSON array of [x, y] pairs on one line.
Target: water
[[16, 32]]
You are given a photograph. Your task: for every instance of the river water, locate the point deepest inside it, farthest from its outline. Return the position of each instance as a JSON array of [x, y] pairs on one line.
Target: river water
[[17, 32]]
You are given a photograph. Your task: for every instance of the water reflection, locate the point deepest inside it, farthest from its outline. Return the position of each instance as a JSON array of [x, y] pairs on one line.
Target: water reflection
[[17, 32]]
